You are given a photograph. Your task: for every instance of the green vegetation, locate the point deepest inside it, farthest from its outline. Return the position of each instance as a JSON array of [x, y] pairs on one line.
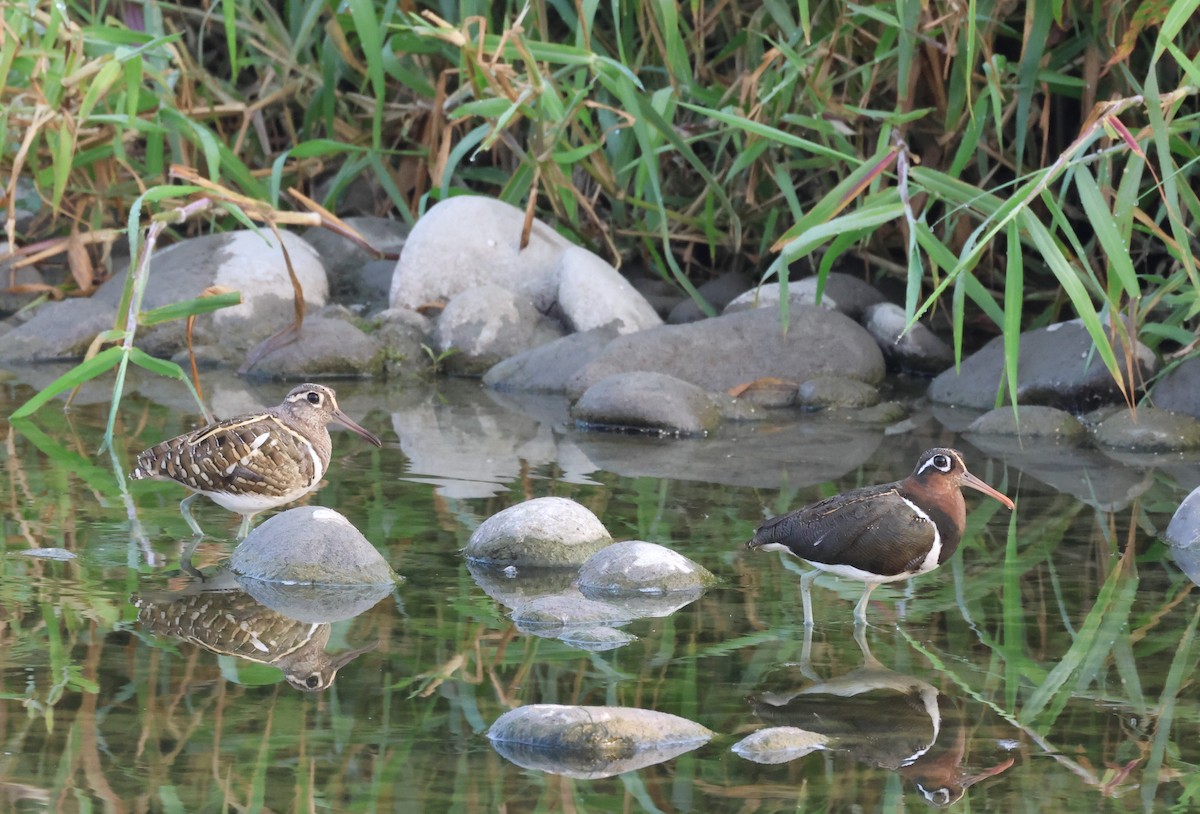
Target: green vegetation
[[1007, 164]]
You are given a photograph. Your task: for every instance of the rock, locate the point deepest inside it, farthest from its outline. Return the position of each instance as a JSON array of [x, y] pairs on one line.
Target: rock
[[512, 586], [470, 241], [310, 545], [1184, 529], [546, 368], [720, 353], [546, 531], [315, 604], [652, 402], [767, 296], [1056, 367], [635, 567], [592, 294], [1035, 423], [356, 277], [663, 295], [1154, 430], [885, 412], [592, 742], [406, 337], [1183, 536], [571, 610], [45, 553], [1179, 390], [243, 261], [483, 325], [328, 347], [779, 744], [717, 292], [835, 393], [1086, 474], [917, 351], [12, 300], [851, 294]]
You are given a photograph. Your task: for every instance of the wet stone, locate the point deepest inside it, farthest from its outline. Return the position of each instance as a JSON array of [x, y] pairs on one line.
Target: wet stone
[[310, 545], [835, 393], [546, 531], [1032, 422], [568, 610], [639, 567], [654, 402], [779, 744], [885, 412], [1153, 430], [592, 742]]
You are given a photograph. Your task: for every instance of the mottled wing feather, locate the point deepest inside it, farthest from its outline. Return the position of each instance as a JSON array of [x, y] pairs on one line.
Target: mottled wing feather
[[872, 529], [232, 457]]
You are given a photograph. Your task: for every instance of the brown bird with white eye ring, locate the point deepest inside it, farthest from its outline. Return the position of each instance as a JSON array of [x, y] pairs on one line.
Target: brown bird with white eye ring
[[882, 533], [253, 462]]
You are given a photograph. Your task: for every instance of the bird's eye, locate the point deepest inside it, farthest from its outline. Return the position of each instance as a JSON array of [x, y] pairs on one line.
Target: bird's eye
[[314, 397], [312, 681], [941, 463]]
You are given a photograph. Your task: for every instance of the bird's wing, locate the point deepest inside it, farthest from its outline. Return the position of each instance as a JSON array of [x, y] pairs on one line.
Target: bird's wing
[[874, 530]]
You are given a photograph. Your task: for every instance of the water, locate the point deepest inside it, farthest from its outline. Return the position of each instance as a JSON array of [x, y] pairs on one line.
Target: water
[[1049, 667]]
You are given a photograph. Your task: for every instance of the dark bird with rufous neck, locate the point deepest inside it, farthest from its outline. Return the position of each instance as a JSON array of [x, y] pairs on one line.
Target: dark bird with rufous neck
[[880, 534]]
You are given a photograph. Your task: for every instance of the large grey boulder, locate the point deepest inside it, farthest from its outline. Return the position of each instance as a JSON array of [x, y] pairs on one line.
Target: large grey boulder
[[1179, 390], [593, 294], [470, 241], [546, 531], [546, 368], [652, 402], [1057, 366], [244, 261], [482, 325], [720, 353]]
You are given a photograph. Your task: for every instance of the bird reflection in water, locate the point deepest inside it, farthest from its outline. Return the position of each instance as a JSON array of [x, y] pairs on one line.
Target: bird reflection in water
[[222, 618], [878, 716]]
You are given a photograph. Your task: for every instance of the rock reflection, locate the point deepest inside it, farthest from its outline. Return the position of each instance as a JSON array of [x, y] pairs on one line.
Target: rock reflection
[[592, 742], [877, 716], [1183, 536], [220, 616]]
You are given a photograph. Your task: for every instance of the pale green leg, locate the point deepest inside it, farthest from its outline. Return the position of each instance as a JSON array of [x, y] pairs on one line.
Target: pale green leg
[[860, 610], [185, 508], [806, 582], [244, 529]]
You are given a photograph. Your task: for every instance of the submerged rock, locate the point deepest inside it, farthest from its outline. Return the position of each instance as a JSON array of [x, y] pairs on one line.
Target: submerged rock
[[546, 531], [592, 742], [835, 393]]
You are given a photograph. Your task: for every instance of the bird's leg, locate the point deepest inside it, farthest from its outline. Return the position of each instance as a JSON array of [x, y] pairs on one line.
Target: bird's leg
[[185, 559], [860, 610], [860, 638], [806, 582], [244, 529], [185, 508]]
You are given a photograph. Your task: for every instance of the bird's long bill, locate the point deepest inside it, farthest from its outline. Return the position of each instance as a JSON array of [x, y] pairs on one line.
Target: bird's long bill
[[354, 426], [975, 483]]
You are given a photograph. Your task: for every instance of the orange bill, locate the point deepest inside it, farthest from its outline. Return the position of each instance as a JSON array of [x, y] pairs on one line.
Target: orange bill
[[975, 483]]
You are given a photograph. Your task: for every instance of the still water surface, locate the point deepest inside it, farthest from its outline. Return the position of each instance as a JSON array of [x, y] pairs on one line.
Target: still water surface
[[1049, 667]]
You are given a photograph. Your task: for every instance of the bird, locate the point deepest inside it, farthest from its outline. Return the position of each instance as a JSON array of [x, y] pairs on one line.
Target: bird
[[253, 462], [880, 534]]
